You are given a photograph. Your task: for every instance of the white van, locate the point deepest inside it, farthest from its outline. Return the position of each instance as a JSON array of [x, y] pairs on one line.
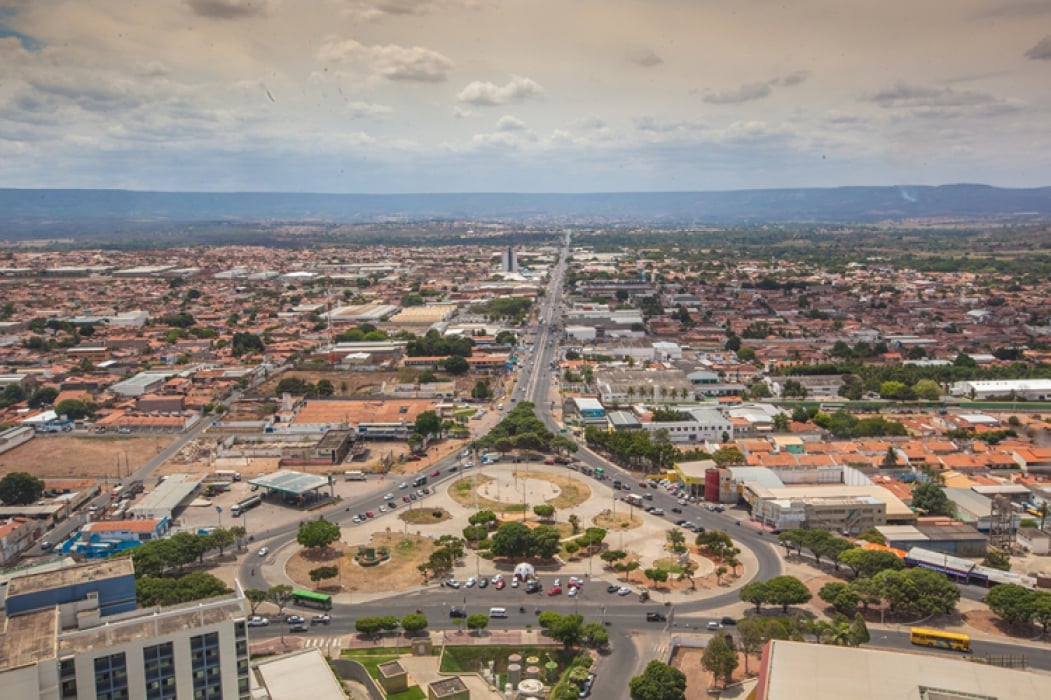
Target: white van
[[497, 612]]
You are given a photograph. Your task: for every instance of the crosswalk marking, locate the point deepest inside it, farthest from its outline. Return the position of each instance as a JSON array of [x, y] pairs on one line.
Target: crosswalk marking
[[322, 642]]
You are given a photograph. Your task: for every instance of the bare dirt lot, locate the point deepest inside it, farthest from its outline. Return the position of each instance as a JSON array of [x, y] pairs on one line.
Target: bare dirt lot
[[351, 383], [699, 681], [82, 456], [399, 573]]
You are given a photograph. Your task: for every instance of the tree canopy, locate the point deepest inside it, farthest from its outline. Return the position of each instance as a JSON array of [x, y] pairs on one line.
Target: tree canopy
[[658, 681], [317, 534], [20, 488]]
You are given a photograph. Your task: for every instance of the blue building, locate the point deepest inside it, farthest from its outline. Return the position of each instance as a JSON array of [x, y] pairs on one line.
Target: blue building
[[112, 581]]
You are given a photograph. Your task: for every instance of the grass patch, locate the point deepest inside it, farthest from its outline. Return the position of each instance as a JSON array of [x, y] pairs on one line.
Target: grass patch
[[425, 516], [669, 565], [413, 692], [515, 508], [405, 547], [469, 659]]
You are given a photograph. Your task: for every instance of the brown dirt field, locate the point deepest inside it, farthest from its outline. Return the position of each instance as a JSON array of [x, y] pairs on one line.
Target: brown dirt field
[[698, 681], [990, 623], [399, 573], [573, 492], [618, 522], [82, 456]]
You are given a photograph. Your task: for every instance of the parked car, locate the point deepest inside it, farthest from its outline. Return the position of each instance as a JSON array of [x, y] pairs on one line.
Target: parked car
[[470, 582], [623, 591], [499, 585], [483, 582], [612, 588], [585, 688], [554, 590], [452, 583], [369, 514]]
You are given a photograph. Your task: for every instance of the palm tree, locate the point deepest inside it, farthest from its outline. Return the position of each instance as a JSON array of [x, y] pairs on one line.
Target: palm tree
[[720, 571]]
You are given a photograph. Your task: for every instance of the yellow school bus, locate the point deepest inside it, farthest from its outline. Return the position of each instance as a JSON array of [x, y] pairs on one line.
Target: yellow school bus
[[940, 640]]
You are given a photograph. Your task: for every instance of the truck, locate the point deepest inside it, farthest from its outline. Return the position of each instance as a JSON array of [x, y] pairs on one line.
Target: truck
[[227, 474], [490, 457], [633, 499], [354, 476], [419, 481], [245, 505]]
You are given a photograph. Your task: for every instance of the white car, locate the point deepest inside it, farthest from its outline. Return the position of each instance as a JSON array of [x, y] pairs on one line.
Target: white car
[[383, 509], [356, 519], [470, 582], [389, 497], [403, 485], [623, 591], [257, 621], [514, 583], [263, 551], [573, 590], [498, 577], [452, 583], [681, 501]]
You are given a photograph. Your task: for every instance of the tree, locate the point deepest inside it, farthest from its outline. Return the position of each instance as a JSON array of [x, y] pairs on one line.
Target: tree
[[754, 593], [368, 626], [544, 542], [785, 591], [840, 596], [544, 511], [859, 631], [512, 540], [919, 591], [245, 344], [20, 488], [750, 631], [656, 575], [481, 390], [1013, 603], [317, 534], [413, 623], [676, 540], [719, 658], [279, 596], [931, 499], [870, 562], [255, 596], [456, 365], [927, 390], [170, 591], [568, 629], [595, 635], [477, 622], [872, 535], [323, 572], [574, 522], [325, 387], [475, 533], [428, 423], [997, 559], [658, 681], [74, 409], [1042, 610]]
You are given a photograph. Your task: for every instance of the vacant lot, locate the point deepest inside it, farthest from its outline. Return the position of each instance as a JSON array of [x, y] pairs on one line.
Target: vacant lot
[[91, 456], [349, 383], [399, 573]]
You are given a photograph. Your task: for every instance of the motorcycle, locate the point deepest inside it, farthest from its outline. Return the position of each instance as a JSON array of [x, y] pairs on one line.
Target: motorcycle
[[521, 609]]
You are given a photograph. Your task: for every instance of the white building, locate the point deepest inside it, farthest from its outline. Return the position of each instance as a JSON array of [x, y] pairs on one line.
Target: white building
[[699, 425], [1031, 389]]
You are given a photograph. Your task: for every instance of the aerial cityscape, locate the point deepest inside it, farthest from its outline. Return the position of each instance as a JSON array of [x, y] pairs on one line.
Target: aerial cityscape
[[449, 349]]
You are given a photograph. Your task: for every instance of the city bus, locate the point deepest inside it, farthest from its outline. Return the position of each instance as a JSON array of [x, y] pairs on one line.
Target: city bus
[[310, 599], [600, 473], [939, 640]]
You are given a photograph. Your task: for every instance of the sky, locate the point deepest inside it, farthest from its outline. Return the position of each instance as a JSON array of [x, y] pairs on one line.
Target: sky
[[413, 96]]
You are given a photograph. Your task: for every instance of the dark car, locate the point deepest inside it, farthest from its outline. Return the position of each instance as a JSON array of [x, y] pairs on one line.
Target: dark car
[[532, 587], [612, 588], [457, 612], [680, 522], [452, 469], [676, 509], [655, 617], [728, 621], [483, 582]]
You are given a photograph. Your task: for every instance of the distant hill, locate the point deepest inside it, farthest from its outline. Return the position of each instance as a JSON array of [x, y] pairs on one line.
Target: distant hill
[[32, 213]]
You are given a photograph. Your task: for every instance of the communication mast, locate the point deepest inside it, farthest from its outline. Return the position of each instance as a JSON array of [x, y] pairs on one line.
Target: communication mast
[[1001, 523]]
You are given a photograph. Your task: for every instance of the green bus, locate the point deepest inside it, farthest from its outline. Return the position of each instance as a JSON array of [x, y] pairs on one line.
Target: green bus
[[309, 599]]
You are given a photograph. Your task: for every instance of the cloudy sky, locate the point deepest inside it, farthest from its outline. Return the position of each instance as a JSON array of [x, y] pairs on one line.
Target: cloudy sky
[[522, 95]]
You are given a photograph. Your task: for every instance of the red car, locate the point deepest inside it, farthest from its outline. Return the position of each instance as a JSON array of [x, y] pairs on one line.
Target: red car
[[436, 473], [406, 499], [643, 484], [554, 590], [370, 514], [499, 584]]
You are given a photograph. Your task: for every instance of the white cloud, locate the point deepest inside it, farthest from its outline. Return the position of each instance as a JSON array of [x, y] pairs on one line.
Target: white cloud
[[744, 93], [368, 10], [410, 63], [488, 94], [509, 123], [364, 110]]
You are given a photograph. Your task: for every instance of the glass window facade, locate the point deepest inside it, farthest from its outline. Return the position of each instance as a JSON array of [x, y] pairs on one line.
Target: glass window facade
[[158, 663], [111, 677], [205, 667]]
